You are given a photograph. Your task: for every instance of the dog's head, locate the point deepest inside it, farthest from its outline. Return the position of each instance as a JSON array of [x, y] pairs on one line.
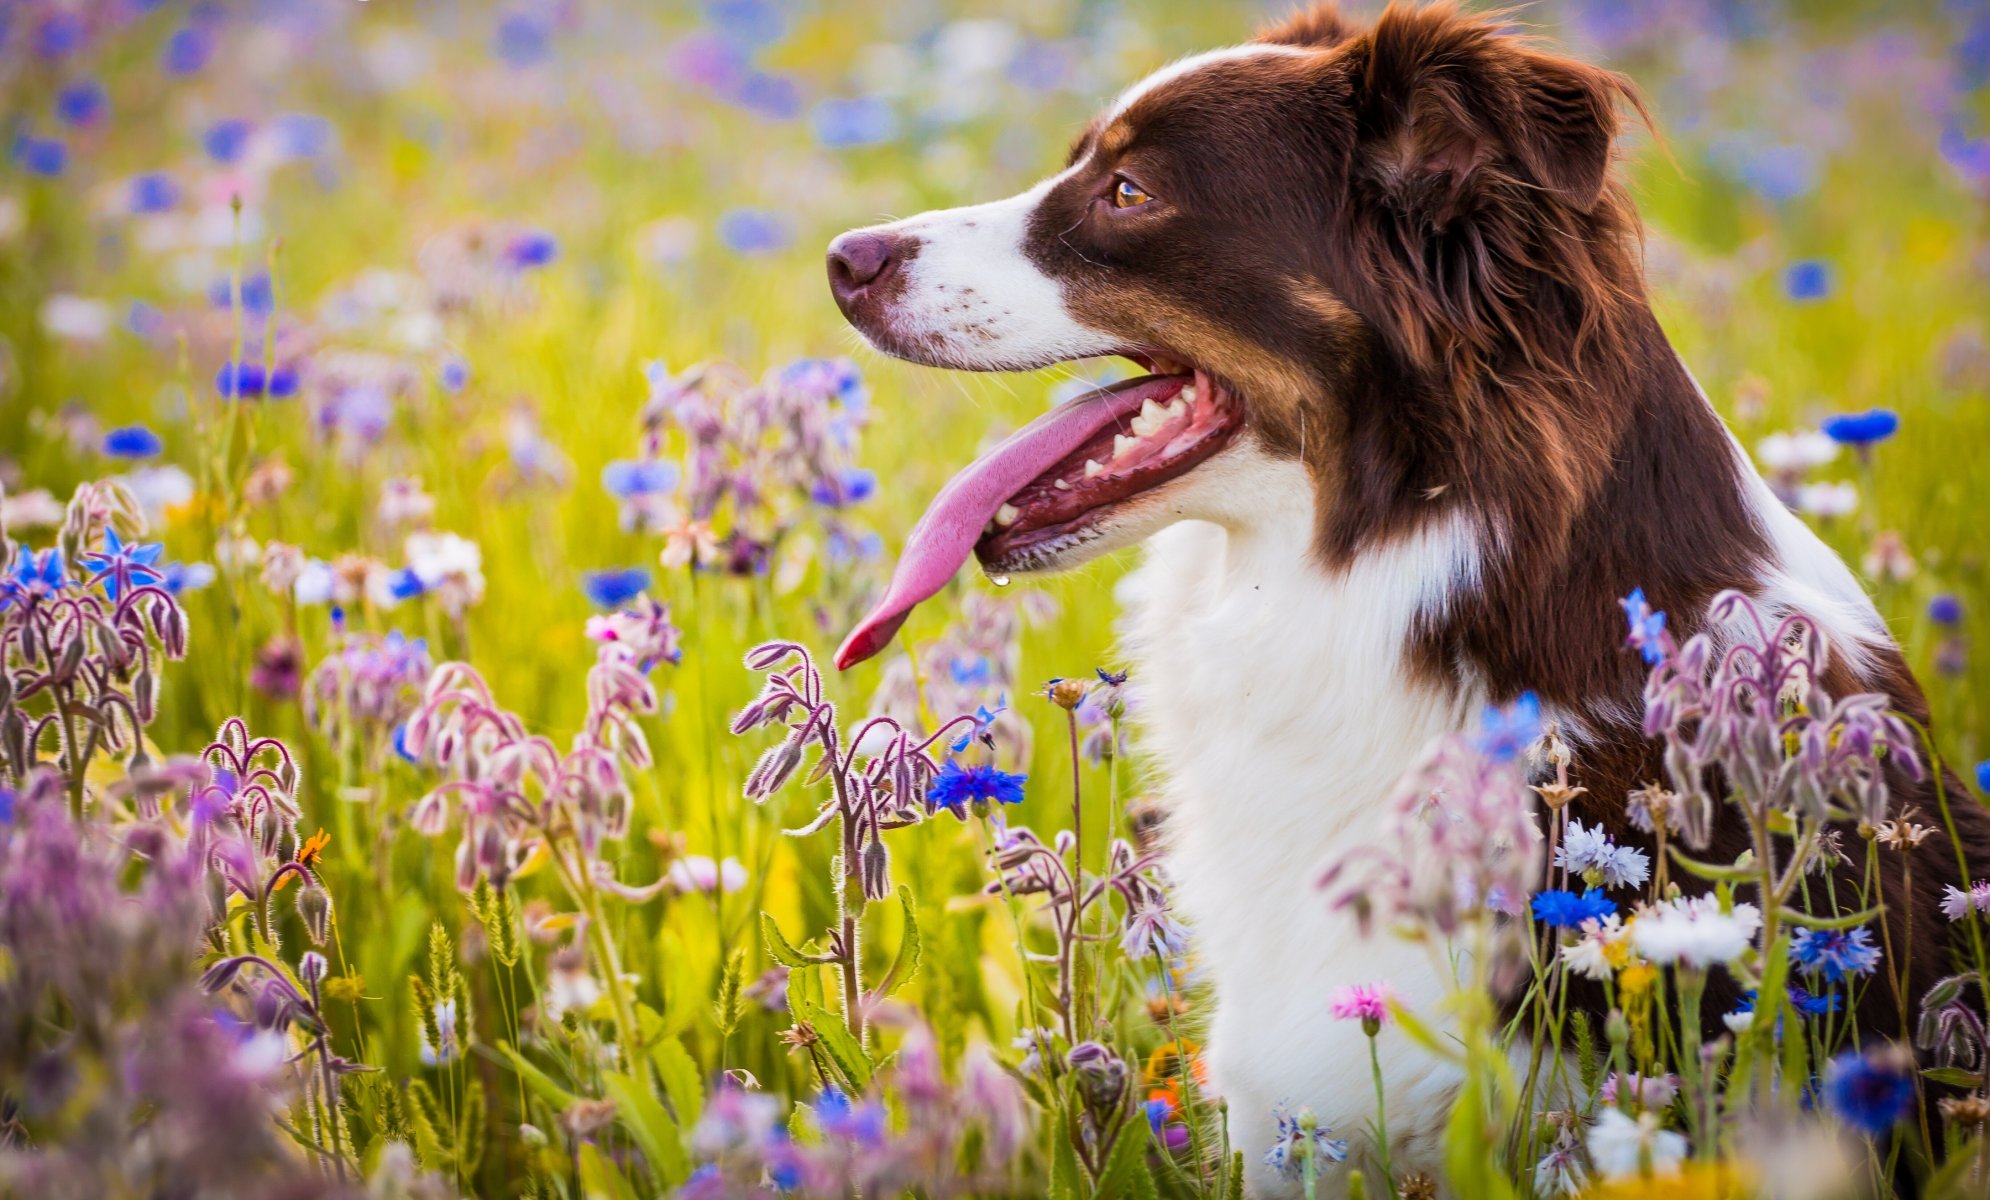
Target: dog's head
[[1350, 247]]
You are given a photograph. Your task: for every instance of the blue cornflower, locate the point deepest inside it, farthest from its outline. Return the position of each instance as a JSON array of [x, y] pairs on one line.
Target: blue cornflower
[[533, 249], [1299, 1138], [753, 231], [984, 719], [1872, 1091], [1807, 280], [60, 35], [1835, 953], [1562, 909], [748, 22], [118, 566], [837, 1117], [1158, 1111], [258, 294], [82, 103], [853, 486], [132, 441], [845, 124], [766, 94], [404, 584], [45, 157], [455, 375], [1591, 854], [1813, 1004], [523, 40], [154, 192], [1945, 609], [1983, 775], [303, 135], [1647, 627], [1861, 430], [628, 478], [1506, 733], [225, 140], [188, 50], [614, 588], [243, 380], [958, 786]]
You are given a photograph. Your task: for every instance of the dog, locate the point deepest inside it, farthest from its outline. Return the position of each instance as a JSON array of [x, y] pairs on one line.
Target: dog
[[1409, 432]]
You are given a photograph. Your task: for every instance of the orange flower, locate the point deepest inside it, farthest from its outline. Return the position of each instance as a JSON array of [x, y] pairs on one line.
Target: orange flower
[[308, 854]]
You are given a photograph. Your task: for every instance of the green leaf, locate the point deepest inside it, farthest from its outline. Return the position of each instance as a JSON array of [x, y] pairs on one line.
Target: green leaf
[[1954, 1076], [906, 965], [683, 1084], [780, 949], [837, 1042], [1736, 873], [1422, 1034], [541, 1083], [1795, 917], [1067, 1179], [599, 1178], [1126, 1164], [652, 1128]]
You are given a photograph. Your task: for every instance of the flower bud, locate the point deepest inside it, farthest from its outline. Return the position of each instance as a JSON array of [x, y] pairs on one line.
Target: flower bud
[[312, 968], [314, 905], [1066, 694], [1100, 1075]]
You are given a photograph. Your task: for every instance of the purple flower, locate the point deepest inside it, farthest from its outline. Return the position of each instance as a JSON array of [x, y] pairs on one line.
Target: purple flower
[[188, 50], [60, 35], [754, 231], [225, 140], [957, 786], [1861, 430], [132, 441], [532, 249], [46, 157], [153, 192], [614, 588], [853, 486], [1647, 633], [258, 294], [846, 124], [82, 103], [628, 478], [238, 380], [1945, 609], [455, 375], [523, 40]]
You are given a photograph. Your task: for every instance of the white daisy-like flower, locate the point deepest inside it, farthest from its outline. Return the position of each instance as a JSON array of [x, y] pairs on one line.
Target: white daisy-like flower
[[1694, 931], [1622, 1146], [1601, 947]]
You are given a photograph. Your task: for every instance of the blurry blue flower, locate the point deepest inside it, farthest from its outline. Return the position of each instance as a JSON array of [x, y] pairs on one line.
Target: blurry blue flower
[[957, 786], [7, 800], [529, 250], [753, 231], [1970, 156], [258, 294], [1871, 1092], [454, 376], [404, 584], [153, 192], [1779, 171], [1158, 1111], [748, 23], [32, 574], [1647, 627], [239, 380], [863, 121], [1809, 1005], [401, 744], [179, 578], [524, 40], [1983, 776], [1945, 609], [1972, 53], [118, 566], [1862, 429], [1807, 280], [613, 589], [984, 720], [1562, 909], [862, 1125], [1834, 954], [853, 486], [144, 320], [1506, 733], [971, 672], [41, 156], [627, 478], [81, 103], [303, 135], [843, 548], [132, 441], [60, 34], [225, 140], [188, 50], [1301, 1138], [776, 97]]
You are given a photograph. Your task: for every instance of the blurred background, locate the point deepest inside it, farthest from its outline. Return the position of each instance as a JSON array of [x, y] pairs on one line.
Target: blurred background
[[411, 289]]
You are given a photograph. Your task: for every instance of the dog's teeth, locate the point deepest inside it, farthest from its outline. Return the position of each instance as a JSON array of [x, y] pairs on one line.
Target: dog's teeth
[[1060, 485], [1093, 469], [1121, 445], [1177, 408], [1007, 514], [1185, 396]]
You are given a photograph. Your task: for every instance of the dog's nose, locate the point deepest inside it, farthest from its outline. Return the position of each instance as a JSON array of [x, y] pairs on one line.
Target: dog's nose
[[859, 262]]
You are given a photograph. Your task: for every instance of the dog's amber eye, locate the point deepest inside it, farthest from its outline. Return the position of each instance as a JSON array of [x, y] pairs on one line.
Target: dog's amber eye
[[1127, 194]]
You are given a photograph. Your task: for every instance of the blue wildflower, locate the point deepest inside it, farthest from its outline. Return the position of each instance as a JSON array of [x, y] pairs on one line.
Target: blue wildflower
[[1807, 280], [239, 380], [1506, 733], [225, 140], [847, 124], [60, 35], [1945, 609], [1835, 954], [401, 744], [404, 584], [455, 375], [523, 40], [188, 50], [132, 441], [154, 192], [614, 588], [628, 478], [853, 486], [1983, 775], [82, 103], [1300, 1138], [753, 231], [303, 135], [1558, 908], [46, 157], [748, 22], [837, 1117], [1862, 429], [776, 97], [1158, 1111], [1813, 1004], [1872, 1091], [8, 797], [179, 578], [984, 720], [533, 249], [118, 566], [1647, 633], [971, 671], [258, 294], [32, 575], [958, 786]]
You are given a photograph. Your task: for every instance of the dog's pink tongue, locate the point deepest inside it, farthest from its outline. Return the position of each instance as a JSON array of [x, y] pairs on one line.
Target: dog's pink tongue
[[945, 536]]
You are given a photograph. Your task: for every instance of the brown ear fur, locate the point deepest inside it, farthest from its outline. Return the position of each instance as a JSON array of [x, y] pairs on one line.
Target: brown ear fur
[[1318, 27]]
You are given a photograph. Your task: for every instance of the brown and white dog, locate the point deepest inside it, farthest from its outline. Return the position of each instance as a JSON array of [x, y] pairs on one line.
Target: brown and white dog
[[1411, 432]]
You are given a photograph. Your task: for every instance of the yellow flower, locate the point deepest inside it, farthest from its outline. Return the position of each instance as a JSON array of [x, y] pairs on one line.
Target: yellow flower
[[1637, 978], [1693, 1181]]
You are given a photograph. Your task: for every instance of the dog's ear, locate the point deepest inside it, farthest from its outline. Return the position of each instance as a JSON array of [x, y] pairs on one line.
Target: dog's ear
[[1452, 103], [1319, 27]]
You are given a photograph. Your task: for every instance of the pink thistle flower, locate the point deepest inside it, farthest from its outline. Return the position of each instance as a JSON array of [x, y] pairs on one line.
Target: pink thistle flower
[[1367, 1003]]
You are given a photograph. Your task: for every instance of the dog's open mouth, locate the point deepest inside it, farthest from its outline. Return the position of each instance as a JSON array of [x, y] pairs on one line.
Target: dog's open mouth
[[1050, 484]]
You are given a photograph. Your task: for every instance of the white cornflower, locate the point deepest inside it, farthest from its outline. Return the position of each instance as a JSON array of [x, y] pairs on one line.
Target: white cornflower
[[1795, 452], [1590, 853], [1622, 1146], [1602, 947], [1694, 931]]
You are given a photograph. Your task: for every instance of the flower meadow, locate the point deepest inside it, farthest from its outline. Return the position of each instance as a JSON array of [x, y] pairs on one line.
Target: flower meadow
[[433, 479]]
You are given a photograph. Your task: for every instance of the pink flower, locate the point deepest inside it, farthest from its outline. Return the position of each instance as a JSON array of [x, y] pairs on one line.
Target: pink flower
[[1364, 1002], [1959, 904], [1654, 1092]]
